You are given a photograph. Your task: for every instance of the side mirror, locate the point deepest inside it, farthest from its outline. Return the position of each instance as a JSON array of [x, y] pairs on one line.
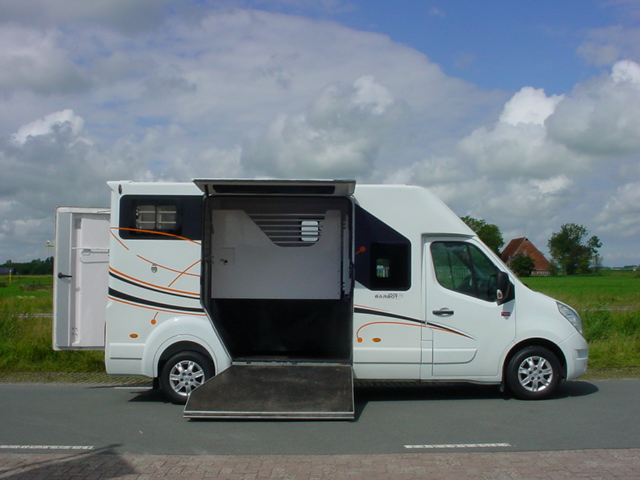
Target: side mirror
[[504, 289]]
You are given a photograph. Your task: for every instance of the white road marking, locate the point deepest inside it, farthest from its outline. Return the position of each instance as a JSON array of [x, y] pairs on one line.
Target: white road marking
[[46, 447], [459, 445]]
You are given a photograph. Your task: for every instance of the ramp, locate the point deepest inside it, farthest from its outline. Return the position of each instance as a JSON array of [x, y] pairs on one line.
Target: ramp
[[276, 391]]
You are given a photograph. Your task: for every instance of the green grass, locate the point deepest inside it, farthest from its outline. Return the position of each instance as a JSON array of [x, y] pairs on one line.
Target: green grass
[[608, 304], [25, 337]]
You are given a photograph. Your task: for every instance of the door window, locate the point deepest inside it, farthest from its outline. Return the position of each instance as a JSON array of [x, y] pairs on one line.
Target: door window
[[463, 268]]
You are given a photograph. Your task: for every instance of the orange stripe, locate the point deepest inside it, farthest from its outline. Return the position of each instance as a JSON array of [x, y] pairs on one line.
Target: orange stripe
[[154, 232], [184, 272], [118, 240], [387, 323]]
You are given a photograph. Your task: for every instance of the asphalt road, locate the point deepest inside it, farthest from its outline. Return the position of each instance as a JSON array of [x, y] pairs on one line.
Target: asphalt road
[[584, 415]]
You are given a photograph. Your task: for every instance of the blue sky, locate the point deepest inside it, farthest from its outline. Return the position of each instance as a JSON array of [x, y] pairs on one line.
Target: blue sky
[[525, 114]]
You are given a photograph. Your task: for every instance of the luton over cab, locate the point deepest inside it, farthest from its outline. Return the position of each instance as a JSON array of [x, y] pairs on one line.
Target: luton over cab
[[268, 298]]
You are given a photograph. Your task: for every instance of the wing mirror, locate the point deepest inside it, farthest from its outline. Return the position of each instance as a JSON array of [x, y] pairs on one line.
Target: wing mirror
[[504, 289]]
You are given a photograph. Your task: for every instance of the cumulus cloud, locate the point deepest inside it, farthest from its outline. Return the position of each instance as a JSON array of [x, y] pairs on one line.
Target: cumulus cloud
[[33, 60], [230, 92], [122, 15], [602, 117], [338, 136], [605, 46], [64, 119], [621, 213], [518, 144]]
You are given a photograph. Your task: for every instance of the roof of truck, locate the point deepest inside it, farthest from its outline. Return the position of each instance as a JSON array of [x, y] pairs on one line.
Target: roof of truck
[[412, 210]]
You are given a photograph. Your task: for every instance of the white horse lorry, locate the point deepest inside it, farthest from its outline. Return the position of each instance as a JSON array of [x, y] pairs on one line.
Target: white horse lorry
[[272, 296]]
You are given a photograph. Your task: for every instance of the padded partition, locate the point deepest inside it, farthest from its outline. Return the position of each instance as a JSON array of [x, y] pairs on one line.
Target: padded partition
[[277, 248]]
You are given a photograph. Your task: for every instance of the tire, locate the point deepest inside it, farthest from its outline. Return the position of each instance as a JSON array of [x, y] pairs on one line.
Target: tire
[[533, 373], [183, 373]]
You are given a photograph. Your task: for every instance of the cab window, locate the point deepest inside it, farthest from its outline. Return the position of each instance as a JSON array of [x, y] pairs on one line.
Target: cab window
[[463, 268]]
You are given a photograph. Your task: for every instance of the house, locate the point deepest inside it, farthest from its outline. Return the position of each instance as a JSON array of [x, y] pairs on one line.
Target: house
[[522, 246], [7, 271]]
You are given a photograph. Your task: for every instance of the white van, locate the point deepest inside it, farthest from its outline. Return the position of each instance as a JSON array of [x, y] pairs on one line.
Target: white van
[[271, 296]]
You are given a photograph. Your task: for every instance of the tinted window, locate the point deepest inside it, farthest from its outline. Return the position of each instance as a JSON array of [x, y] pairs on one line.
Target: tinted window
[[463, 268], [160, 217], [383, 255]]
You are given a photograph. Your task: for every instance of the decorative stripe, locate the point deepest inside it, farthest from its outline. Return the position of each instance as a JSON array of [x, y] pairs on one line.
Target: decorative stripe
[[381, 313], [148, 286], [417, 322], [125, 298], [155, 232]]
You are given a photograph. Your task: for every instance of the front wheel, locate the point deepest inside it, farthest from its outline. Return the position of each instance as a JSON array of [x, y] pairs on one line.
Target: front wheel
[[182, 374], [533, 373]]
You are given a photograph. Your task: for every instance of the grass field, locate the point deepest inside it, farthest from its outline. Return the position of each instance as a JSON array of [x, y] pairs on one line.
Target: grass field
[[25, 337], [609, 305]]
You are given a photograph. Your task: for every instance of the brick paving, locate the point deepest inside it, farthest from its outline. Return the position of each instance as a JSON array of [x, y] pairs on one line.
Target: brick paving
[[562, 465]]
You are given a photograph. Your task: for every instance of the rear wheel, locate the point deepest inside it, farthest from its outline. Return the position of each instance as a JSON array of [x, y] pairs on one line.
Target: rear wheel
[[183, 373], [533, 373]]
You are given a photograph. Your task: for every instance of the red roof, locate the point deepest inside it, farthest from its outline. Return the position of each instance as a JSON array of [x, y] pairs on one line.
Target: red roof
[[522, 246]]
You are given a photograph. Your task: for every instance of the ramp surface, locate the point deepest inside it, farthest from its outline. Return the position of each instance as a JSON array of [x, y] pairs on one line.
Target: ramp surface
[[276, 391]]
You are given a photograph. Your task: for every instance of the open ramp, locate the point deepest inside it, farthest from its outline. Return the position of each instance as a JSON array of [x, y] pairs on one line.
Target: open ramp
[[276, 391]]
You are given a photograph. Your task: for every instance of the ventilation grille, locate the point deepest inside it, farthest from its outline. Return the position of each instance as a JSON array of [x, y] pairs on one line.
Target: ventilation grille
[[290, 230]]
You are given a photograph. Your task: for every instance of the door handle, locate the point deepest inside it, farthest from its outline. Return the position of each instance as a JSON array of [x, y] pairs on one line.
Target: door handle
[[443, 312], [62, 275]]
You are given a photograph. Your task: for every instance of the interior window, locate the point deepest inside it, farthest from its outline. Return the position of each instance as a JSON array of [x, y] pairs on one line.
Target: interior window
[[382, 255], [462, 267], [161, 217]]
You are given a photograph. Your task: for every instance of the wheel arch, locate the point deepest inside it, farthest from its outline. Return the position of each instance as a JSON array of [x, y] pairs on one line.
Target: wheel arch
[[183, 346], [536, 342]]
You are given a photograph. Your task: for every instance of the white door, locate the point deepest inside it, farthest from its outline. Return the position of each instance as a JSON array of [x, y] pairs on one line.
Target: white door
[[81, 272], [470, 330]]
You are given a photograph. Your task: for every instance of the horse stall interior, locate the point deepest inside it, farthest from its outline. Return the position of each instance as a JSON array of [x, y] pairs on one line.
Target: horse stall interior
[[277, 276]]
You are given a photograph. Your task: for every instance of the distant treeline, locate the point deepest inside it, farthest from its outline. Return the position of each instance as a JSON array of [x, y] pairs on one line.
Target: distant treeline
[[34, 267]]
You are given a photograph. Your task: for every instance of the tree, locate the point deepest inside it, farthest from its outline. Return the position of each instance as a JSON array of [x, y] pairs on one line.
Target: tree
[[569, 250], [489, 233], [522, 265]]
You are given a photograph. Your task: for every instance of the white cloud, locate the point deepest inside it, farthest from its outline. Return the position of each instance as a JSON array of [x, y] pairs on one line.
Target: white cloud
[[605, 46], [518, 144], [621, 214], [44, 126], [339, 135], [88, 96], [122, 15], [530, 106], [33, 60], [602, 117]]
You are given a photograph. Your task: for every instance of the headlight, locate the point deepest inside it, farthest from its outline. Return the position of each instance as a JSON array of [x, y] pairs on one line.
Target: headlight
[[570, 314]]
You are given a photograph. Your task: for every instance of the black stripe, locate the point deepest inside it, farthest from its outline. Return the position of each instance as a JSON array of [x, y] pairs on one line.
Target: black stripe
[[386, 314], [146, 287], [401, 317], [148, 303]]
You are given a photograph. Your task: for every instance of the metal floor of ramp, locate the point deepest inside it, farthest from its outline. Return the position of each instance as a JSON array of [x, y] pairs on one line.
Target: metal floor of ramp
[[276, 391]]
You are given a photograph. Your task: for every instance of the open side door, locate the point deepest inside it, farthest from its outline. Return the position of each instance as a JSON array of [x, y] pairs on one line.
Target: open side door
[[81, 273], [278, 287]]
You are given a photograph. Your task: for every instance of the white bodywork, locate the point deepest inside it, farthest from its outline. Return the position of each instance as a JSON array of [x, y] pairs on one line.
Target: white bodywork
[[154, 302]]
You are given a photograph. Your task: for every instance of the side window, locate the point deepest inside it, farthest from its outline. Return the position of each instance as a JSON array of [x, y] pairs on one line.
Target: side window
[[383, 255], [463, 268], [160, 217]]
